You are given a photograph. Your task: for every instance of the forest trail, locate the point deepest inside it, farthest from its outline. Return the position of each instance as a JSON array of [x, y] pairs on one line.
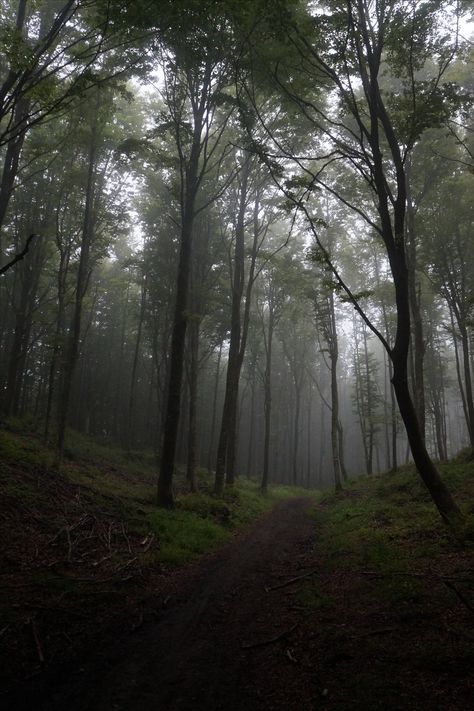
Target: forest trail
[[223, 642]]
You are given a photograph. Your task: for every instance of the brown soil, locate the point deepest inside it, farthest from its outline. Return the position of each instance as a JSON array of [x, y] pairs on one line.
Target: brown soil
[[233, 631]]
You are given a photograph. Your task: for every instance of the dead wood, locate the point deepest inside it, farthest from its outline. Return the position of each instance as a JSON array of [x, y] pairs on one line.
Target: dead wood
[[37, 641], [372, 633], [290, 581], [264, 642], [463, 599]]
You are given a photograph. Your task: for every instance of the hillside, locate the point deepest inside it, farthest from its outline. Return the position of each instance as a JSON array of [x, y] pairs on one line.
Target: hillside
[[86, 549], [368, 603]]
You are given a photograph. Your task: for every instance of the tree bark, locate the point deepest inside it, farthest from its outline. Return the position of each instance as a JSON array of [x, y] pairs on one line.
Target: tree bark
[[165, 497], [224, 462], [193, 396], [129, 434], [267, 390], [415, 306], [82, 281]]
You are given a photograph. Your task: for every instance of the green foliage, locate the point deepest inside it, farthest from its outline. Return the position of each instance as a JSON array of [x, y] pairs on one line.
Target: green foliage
[[183, 534], [124, 487], [17, 51]]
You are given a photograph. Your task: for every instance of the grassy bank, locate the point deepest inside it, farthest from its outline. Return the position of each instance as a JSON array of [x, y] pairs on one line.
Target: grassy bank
[[392, 600]]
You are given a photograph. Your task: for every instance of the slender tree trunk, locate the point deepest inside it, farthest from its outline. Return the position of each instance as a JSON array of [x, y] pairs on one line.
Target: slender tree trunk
[[267, 391], [227, 431], [250, 452], [29, 281], [214, 407], [467, 380], [296, 435], [415, 306], [178, 337], [428, 472], [193, 396], [133, 378], [308, 437], [342, 461], [370, 413], [83, 274], [58, 336]]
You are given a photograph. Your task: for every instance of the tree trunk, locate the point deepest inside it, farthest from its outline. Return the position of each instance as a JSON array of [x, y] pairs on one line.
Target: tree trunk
[[214, 407], [267, 390], [467, 379], [370, 413], [415, 306], [82, 281], [129, 435], [296, 435], [29, 280], [224, 461], [193, 396], [428, 472], [250, 452], [58, 335], [165, 496]]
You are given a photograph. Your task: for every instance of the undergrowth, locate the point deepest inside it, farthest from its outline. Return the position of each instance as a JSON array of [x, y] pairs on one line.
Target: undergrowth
[[386, 531], [94, 476]]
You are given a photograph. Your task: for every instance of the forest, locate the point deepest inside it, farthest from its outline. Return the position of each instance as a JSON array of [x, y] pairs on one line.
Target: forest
[[236, 243], [208, 255]]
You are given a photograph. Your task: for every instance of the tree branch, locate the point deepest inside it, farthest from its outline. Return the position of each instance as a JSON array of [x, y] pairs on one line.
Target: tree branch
[[18, 257]]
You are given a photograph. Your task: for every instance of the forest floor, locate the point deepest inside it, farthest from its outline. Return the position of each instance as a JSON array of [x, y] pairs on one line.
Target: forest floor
[[359, 601]]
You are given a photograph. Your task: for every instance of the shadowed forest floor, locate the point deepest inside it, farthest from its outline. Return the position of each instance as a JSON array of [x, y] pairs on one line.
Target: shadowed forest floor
[[361, 601], [262, 624]]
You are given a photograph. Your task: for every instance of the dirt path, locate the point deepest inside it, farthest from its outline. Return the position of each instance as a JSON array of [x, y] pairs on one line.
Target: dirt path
[[204, 652]]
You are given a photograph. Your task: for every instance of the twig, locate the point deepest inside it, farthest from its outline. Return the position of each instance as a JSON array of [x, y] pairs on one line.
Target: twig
[[370, 633], [464, 601], [290, 656], [37, 642], [290, 581], [126, 538], [147, 542], [264, 642]]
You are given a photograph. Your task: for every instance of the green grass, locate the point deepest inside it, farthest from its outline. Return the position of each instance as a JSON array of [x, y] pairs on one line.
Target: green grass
[[183, 535], [386, 527]]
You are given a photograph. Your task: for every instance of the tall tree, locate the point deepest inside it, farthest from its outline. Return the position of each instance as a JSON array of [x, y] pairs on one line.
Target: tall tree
[[196, 72], [373, 130]]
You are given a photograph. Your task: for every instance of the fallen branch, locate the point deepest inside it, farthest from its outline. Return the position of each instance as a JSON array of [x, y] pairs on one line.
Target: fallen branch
[[464, 600], [18, 257], [37, 642], [290, 581], [146, 543], [371, 633], [264, 642]]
